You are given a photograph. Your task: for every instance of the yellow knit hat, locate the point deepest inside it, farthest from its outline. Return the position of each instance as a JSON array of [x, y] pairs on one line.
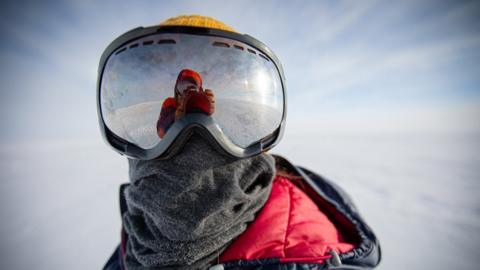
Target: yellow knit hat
[[197, 21]]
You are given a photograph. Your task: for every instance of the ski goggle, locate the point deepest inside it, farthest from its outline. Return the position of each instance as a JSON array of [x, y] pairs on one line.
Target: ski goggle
[[159, 85]]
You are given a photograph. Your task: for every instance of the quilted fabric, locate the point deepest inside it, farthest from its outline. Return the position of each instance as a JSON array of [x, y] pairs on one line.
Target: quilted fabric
[[290, 227]]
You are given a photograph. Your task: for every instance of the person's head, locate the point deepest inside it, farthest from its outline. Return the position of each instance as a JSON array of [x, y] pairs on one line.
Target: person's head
[[141, 68], [201, 182], [187, 80]]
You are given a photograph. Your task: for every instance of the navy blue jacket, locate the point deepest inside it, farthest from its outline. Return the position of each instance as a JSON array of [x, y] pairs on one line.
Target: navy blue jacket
[[340, 209]]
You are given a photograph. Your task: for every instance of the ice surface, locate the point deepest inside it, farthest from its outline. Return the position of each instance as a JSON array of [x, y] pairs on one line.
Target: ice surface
[[59, 200], [418, 193], [238, 120], [137, 123]]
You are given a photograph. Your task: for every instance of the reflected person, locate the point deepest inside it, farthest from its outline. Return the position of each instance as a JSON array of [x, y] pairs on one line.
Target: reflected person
[[189, 97]]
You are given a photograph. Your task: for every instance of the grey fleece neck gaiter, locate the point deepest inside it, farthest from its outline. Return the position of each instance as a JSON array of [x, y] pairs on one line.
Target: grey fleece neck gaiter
[[184, 212]]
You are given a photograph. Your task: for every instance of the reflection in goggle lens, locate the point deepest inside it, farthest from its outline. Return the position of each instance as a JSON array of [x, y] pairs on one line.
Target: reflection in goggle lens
[[146, 88], [191, 98]]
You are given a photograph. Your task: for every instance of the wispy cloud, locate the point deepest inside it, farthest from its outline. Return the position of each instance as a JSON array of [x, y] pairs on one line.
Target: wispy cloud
[[338, 56]]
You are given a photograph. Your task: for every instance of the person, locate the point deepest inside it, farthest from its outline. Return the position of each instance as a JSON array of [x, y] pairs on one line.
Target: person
[[189, 97], [203, 191]]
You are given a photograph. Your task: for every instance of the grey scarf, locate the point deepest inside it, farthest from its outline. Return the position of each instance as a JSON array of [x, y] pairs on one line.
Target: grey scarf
[[184, 211]]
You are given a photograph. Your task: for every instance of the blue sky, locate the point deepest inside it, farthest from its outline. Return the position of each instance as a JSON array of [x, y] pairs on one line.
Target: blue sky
[[351, 66]]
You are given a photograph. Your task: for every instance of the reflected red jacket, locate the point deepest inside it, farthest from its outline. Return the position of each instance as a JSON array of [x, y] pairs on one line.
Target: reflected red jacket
[[308, 222], [196, 102]]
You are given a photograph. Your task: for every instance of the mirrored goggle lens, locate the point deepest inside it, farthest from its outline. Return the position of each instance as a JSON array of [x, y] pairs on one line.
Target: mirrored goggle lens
[[152, 82]]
